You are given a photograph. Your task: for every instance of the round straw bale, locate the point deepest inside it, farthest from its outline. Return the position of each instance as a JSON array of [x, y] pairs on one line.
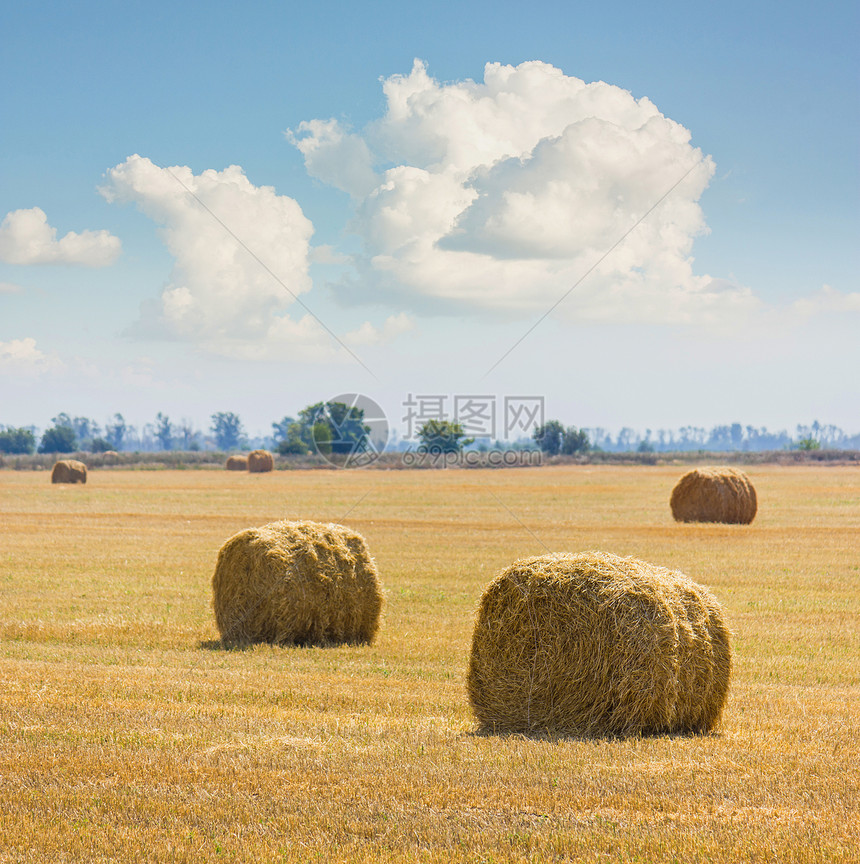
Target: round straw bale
[[237, 463], [594, 644], [69, 471], [302, 583], [260, 461], [714, 495]]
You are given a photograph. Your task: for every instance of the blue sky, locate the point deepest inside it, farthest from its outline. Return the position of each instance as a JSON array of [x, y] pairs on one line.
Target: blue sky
[[429, 214]]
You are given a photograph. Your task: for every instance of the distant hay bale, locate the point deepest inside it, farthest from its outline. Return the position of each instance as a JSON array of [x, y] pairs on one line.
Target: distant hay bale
[[237, 463], [594, 644], [714, 495], [260, 461], [302, 583], [69, 471]]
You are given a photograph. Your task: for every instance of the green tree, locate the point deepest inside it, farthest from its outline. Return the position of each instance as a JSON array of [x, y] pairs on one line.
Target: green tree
[[58, 439], [442, 436], [164, 431], [227, 428], [17, 440], [85, 429], [549, 437], [332, 427], [288, 437], [100, 445], [808, 444], [574, 441]]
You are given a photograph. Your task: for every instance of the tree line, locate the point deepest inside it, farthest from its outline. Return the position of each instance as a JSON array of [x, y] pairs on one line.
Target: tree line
[[333, 427]]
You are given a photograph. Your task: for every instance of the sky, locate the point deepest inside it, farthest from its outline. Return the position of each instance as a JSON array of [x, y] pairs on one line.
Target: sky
[[641, 218]]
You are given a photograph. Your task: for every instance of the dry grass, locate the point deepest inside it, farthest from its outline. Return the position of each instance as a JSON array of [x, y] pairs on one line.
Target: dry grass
[[126, 733]]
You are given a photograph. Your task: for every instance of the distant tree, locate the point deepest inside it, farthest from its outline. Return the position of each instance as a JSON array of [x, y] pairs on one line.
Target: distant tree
[[627, 439], [287, 434], [164, 431], [329, 427], [100, 445], [116, 432], [808, 444], [549, 436], [574, 441], [281, 429], [85, 429], [227, 428], [17, 440], [188, 437], [58, 439], [442, 436]]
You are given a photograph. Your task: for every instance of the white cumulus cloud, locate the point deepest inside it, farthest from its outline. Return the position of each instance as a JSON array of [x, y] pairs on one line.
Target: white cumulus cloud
[[499, 195], [392, 327], [27, 238], [242, 254], [22, 357], [241, 251], [827, 299]]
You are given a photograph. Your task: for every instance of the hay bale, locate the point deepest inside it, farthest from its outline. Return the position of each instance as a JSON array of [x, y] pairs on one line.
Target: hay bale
[[260, 461], [237, 463], [714, 495], [594, 644], [302, 583], [69, 471]]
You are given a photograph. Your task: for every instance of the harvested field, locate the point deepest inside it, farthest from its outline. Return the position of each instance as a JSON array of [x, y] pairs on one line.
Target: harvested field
[[128, 733]]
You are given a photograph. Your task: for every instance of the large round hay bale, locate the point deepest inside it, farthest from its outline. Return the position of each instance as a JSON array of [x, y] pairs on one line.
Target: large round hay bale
[[714, 495], [303, 583], [69, 471], [237, 463], [260, 461], [594, 644]]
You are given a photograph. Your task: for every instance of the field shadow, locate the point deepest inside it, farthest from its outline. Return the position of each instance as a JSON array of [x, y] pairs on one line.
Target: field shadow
[[221, 645], [555, 737]]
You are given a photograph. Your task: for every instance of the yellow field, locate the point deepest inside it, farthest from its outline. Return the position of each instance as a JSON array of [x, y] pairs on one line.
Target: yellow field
[[128, 734]]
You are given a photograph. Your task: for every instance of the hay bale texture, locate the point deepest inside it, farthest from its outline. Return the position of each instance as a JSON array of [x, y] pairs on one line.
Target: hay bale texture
[[236, 463], [593, 644], [714, 495], [301, 583], [260, 461], [69, 471]]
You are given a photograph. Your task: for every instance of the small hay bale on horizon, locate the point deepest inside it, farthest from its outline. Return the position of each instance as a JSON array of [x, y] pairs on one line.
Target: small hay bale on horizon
[[260, 461], [296, 583], [597, 645], [714, 494], [236, 463], [69, 471]]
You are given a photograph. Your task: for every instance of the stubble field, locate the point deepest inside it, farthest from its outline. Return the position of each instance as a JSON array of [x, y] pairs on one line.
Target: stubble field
[[128, 733]]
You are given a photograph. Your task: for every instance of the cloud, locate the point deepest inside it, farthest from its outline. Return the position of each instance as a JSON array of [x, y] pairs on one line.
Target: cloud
[[827, 299], [500, 195], [334, 156], [10, 288], [241, 251], [22, 357], [367, 334], [27, 238]]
